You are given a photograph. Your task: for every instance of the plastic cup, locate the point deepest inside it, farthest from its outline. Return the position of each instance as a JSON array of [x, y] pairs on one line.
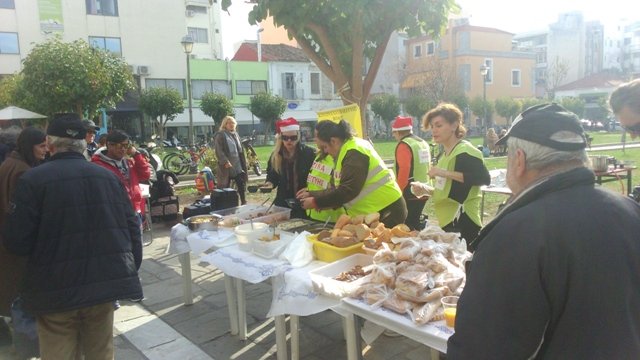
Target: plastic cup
[[246, 233], [450, 303]]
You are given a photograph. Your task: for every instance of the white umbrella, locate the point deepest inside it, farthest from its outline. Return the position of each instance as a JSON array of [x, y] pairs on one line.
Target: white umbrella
[[16, 113]]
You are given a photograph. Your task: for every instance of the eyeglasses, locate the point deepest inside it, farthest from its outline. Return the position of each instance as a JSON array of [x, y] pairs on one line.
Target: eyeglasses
[[635, 128], [121, 145], [289, 138]]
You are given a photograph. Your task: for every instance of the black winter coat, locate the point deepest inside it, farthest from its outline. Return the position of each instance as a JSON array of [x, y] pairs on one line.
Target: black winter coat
[[556, 276], [302, 165], [74, 221]]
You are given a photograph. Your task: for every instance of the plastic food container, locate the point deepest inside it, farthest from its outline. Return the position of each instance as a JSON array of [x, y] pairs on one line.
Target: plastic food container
[[244, 214], [323, 278], [246, 234], [329, 253], [272, 248]]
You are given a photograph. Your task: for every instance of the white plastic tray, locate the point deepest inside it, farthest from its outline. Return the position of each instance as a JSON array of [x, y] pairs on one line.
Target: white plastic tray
[[323, 280]]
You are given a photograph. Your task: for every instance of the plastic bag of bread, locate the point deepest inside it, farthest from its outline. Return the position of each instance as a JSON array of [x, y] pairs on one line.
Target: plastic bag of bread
[[412, 285], [452, 280], [384, 255], [426, 312], [375, 294], [408, 252], [401, 306], [430, 247], [438, 263], [421, 189], [432, 232], [384, 273]]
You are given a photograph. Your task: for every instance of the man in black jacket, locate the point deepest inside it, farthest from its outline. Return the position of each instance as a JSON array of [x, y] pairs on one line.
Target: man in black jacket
[[556, 274], [75, 223]]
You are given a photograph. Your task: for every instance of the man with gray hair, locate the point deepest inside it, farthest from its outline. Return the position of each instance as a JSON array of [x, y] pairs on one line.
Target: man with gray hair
[[556, 274], [75, 223], [625, 103]]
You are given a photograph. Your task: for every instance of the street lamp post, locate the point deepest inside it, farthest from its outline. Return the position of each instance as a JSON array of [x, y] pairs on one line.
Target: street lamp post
[[484, 70], [259, 44], [187, 44]]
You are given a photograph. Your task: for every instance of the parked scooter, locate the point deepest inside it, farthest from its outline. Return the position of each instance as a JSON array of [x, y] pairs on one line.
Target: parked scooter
[[250, 153]]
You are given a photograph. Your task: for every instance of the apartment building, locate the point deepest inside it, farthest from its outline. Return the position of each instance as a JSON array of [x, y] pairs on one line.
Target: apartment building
[[459, 55], [293, 76], [147, 35]]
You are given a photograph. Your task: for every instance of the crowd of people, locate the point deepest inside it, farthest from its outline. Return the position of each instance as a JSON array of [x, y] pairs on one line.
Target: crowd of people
[[554, 275]]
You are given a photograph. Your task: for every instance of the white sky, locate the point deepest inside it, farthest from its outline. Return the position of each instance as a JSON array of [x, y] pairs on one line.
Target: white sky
[[514, 16]]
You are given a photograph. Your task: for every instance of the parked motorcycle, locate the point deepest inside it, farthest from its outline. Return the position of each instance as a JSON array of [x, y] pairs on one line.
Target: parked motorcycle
[[250, 153]]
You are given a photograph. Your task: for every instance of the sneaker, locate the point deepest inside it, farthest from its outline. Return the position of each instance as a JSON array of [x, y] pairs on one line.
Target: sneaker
[[147, 242], [137, 300]]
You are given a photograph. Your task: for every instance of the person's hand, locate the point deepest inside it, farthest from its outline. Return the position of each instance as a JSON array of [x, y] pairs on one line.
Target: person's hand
[[228, 165], [435, 171], [131, 151], [307, 203], [302, 193]]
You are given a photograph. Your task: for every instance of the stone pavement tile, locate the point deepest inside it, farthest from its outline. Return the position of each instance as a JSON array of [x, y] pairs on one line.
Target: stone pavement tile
[[154, 337], [162, 291], [327, 323], [419, 353], [313, 342], [124, 349], [230, 347]]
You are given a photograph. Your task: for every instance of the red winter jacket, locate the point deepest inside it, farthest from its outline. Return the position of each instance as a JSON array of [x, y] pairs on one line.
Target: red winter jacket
[[139, 170]]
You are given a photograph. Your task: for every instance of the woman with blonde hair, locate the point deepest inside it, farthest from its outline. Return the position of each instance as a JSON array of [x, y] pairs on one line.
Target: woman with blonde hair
[[458, 175], [289, 166], [232, 164]]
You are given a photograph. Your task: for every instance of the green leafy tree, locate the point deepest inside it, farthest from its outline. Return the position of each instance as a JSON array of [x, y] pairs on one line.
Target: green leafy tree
[[161, 105], [9, 87], [417, 106], [63, 77], [217, 106], [341, 37], [478, 106], [386, 106], [460, 100], [268, 108], [574, 104], [508, 108]]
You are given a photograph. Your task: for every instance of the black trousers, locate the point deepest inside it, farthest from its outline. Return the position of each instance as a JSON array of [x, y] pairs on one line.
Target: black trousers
[[241, 183], [466, 227], [414, 210]]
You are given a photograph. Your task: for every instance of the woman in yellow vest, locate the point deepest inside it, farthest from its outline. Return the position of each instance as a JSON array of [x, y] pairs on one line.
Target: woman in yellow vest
[[362, 182], [320, 178], [458, 175]]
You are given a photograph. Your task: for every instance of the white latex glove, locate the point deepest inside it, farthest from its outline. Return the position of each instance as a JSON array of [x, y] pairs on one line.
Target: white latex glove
[[421, 189]]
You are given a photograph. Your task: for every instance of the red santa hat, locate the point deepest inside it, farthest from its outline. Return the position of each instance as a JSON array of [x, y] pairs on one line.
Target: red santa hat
[[289, 124], [402, 123]]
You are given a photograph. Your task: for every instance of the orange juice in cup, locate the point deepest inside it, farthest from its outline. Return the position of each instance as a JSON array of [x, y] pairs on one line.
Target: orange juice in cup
[[449, 303], [450, 316]]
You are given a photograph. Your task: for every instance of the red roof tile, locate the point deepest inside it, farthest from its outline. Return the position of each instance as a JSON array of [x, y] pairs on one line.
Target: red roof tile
[[248, 51]]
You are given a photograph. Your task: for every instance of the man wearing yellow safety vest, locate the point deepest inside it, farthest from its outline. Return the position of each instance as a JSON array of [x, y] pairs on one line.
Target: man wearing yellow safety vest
[[412, 164], [320, 178], [363, 184]]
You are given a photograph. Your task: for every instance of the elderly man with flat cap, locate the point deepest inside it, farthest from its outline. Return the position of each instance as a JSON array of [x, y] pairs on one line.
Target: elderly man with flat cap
[[75, 223], [556, 275]]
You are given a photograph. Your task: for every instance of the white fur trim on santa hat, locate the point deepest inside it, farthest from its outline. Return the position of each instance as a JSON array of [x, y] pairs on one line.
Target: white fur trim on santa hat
[[290, 128]]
